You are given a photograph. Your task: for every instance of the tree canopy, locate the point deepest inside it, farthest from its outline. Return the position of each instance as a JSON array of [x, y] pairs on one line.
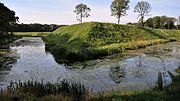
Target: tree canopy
[[7, 18], [143, 8], [119, 8], [82, 11], [162, 22]]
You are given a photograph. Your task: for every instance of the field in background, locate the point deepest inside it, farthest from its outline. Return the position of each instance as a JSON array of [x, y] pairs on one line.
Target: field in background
[[33, 34]]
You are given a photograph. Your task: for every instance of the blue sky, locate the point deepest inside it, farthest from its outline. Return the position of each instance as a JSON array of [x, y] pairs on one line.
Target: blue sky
[[61, 11]]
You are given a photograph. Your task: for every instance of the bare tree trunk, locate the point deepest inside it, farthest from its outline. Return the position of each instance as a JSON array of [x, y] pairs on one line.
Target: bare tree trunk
[[119, 18], [142, 21], [81, 17]]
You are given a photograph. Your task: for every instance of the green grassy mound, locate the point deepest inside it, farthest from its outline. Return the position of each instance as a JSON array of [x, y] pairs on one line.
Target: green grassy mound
[[94, 40]]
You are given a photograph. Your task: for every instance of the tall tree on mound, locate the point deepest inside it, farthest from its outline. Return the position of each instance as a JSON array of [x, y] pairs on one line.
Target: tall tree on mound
[[7, 18], [143, 8], [82, 11], [119, 8]]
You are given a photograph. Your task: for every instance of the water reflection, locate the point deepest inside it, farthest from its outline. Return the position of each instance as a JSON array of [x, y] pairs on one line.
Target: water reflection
[[132, 73], [117, 74]]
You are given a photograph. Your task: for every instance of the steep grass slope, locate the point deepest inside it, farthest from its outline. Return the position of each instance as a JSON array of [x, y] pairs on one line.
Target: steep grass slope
[[93, 40]]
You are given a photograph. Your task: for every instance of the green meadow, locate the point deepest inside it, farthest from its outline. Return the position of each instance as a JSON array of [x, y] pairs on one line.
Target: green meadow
[[33, 34]]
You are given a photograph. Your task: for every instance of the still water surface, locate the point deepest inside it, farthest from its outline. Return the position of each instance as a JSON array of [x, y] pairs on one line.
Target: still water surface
[[135, 72]]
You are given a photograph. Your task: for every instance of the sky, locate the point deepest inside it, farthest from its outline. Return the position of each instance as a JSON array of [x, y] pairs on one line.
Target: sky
[[61, 11]]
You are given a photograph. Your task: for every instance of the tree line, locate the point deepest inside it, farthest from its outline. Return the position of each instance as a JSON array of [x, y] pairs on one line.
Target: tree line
[[8, 20], [161, 22], [119, 7], [34, 27]]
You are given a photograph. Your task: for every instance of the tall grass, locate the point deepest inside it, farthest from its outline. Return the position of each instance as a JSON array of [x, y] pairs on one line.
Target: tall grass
[[72, 90], [65, 91]]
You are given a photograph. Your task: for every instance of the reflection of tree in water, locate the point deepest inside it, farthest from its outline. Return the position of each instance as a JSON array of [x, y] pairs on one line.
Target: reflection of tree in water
[[7, 58], [163, 74], [139, 67], [117, 74]]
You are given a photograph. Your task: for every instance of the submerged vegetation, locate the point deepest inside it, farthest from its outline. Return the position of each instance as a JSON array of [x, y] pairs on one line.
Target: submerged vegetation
[[6, 39], [94, 40], [5, 60], [178, 70]]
